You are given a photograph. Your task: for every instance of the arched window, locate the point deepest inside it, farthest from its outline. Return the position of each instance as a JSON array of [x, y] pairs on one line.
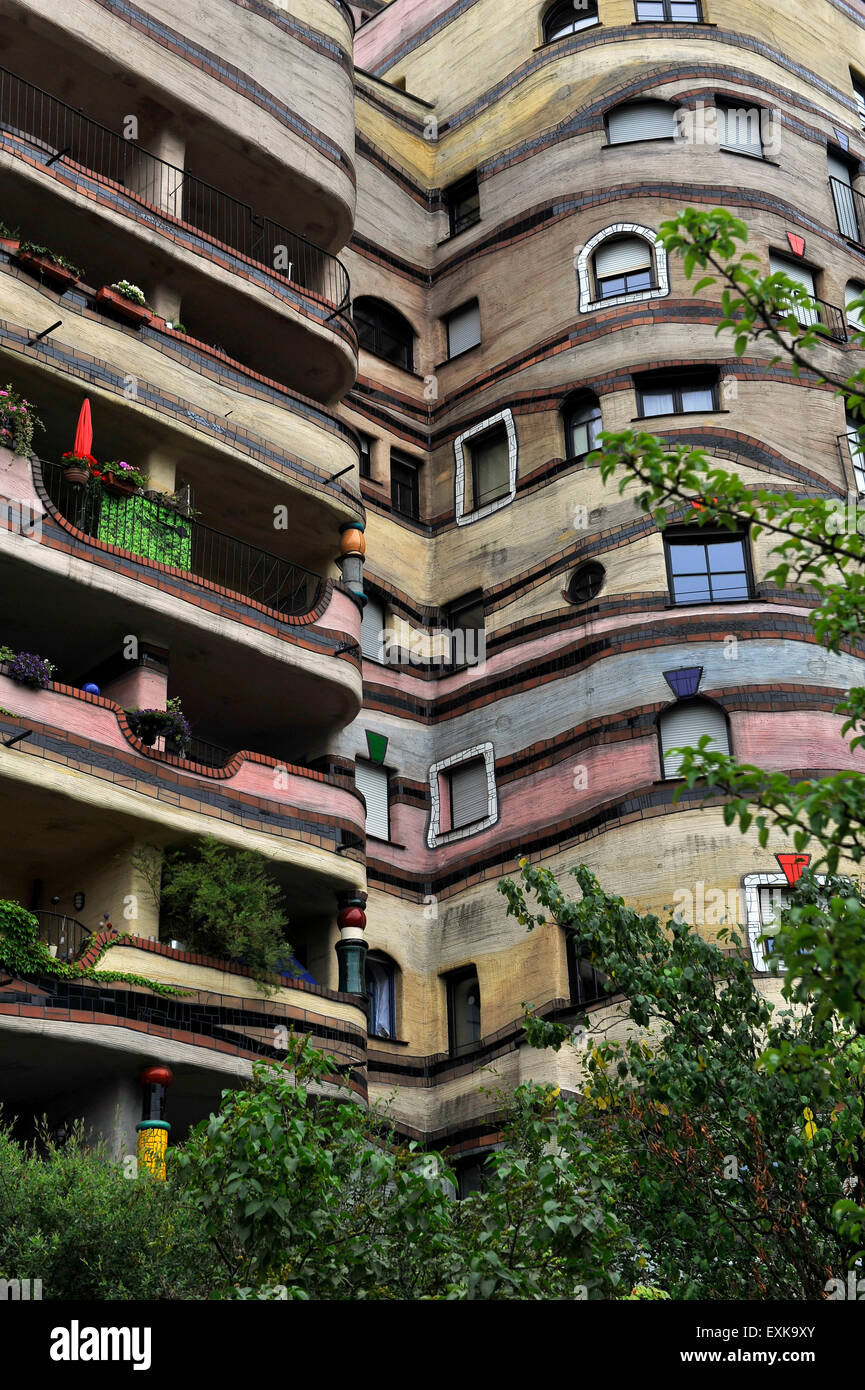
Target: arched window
[[565, 18], [856, 317], [381, 994], [384, 331], [683, 725], [641, 120], [582, 416], [464, 1009]]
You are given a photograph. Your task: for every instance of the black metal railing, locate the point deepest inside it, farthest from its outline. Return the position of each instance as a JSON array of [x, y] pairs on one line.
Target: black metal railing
[[817, 312], [588, 985], [849, 210], [61, 132], [64, 936], [197, 750], [165, 534]]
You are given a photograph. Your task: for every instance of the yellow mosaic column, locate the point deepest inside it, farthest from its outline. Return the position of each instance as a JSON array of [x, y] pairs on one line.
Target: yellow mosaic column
[[153, 1129]]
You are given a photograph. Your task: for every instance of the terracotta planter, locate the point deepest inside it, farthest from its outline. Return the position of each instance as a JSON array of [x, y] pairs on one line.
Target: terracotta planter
[[107, 298], [76, 474], [118, 489], [10, 245], [47, 269]]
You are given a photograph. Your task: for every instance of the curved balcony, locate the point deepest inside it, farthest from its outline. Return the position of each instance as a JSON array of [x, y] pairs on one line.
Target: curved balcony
[[64, 936]]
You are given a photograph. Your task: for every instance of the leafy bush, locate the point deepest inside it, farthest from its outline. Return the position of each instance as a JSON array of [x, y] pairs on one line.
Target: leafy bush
[[222, 902]]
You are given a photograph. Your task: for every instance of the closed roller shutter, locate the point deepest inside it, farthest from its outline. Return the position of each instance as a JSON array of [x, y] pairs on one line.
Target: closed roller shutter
[[641, 120], [371, 628], [464, 330], [842, 193], [372, 782], [739, 129], [685, 724], [804, 277], [622, 256], [470, 799]]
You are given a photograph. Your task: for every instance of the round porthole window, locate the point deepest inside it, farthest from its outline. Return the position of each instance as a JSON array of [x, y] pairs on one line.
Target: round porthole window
[[586, 582]]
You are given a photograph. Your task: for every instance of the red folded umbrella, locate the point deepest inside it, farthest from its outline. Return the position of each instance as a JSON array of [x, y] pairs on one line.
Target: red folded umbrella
[[84, 433]]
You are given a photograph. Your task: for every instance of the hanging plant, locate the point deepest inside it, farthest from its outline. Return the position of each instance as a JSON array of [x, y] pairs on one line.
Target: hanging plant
[[150, 724], [18, 422]]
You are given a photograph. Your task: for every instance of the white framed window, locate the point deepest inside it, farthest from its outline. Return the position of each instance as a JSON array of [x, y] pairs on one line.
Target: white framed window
[[373, 782], [739, 129], [623, 264], [463, 795], [486, 468], [841, 183], [766, 896], [683, 725], [803, 276], [641, 120], [857, 451], [464, 329], [372, 629]]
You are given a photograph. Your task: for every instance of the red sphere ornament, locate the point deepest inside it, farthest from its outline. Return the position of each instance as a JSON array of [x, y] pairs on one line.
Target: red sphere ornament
[[352, 917], [156, 1076]]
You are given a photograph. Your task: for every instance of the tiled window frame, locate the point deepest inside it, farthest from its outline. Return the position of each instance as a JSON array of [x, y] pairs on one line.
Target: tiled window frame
[[585, 272], [464, 518], [435, 835], [751, 884]]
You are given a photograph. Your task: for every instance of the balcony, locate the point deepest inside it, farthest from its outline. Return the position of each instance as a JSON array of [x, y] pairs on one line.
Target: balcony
[[64, 936], [142, 526], [829, 316], [849, 210]]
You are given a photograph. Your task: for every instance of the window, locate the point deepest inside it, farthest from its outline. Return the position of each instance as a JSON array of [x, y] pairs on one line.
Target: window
[[464, 1010], [855, 290], [708, 568], [365, 455], [486, 468], [372, 627], [623, 265], [404, 486], [859, 93], [586, 582], [372, 781], [490, 466], [841, 182], [466, 624], [586, 983], [384, 331], [641, 120], [678, 395], [684, 724], [739, 129], [857, 450], [464, 329], [669, 11], [803, 276], [381, 995], [567, 18], [463, 203], [462, 795], [582, 416]]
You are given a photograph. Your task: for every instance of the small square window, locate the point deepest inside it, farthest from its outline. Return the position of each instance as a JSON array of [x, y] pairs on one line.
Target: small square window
[[463, 201], [404, 491], [464, 329], [463, 795], [676, 395], [708, 568]]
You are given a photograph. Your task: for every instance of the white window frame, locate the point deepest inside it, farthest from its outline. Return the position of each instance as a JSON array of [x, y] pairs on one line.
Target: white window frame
[[464, 518], [435, 835], [752, 883], [585, 272]]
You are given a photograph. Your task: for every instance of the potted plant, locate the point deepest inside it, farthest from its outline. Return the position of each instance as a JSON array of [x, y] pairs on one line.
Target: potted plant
[[41, 260], [29, 669], [150, 724], [77, 468], [120, 478], [9, 238], [175, 326], [126, 299], [18, 420]]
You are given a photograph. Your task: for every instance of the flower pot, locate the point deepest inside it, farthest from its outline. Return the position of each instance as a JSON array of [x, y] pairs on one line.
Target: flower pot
[[118, 489], [9, 245], [47, 269], [76, 473], [124, 308], [146, 734]]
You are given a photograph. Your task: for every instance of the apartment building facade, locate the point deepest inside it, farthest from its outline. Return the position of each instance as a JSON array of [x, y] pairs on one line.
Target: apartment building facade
[[401, 266]]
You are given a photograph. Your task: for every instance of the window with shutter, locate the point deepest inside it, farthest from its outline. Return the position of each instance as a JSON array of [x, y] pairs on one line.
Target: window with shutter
[[803, 276], [464, 329], [372, 782], [641, 120], [684, 724], [841, 183], [739, 129], [623, 266], [372, 626], [469, 793]]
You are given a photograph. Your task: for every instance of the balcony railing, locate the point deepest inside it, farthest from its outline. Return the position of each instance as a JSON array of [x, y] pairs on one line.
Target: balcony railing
[[830, 316], [167, 535], [60, 132], [64, 936], [849, 210]]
